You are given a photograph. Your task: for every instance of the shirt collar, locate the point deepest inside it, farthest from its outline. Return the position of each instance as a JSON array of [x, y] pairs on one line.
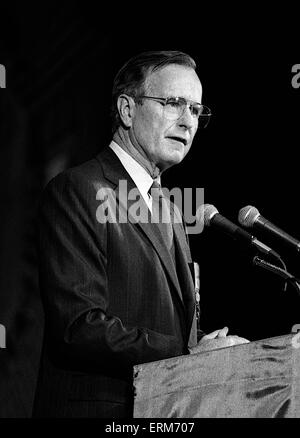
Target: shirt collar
[[139, 175]]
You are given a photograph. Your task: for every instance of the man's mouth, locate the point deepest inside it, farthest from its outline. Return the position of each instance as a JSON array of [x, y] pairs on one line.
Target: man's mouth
[[179, 139]]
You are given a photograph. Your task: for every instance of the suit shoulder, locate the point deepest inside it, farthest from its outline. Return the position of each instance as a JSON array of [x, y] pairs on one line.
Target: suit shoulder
[[83, 175]]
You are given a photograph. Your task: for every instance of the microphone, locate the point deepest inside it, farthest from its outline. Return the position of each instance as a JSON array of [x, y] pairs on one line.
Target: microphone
[[250, 217], [212, 218]]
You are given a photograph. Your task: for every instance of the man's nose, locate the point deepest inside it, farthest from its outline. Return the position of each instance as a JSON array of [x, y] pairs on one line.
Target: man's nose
[[187, 119]]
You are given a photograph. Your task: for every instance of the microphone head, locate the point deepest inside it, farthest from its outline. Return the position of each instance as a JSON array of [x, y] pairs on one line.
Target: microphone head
[[209, 211], [248, 216]]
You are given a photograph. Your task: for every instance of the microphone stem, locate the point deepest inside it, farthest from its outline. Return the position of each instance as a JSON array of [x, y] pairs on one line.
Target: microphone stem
[[283, 273]]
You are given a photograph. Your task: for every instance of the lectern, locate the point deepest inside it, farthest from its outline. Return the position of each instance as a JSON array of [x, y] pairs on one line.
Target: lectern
[[256, 380]]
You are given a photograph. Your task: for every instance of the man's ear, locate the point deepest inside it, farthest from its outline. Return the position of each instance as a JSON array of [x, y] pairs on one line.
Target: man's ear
[[126, 108]]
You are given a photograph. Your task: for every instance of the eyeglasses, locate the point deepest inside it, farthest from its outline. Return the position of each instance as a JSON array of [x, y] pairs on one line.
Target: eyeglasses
[[174, 108]]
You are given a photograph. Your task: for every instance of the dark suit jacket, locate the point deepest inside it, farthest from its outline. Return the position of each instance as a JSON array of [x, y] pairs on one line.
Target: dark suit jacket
[[111, 293]]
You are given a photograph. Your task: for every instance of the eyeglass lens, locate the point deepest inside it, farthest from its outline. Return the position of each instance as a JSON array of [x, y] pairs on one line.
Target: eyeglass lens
[[175, 108]]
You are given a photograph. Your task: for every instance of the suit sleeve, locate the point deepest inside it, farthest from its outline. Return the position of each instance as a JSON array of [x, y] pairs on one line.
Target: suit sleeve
[[74, 285]]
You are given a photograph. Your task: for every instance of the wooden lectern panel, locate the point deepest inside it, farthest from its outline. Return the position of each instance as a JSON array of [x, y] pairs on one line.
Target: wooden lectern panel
[[256, 380]]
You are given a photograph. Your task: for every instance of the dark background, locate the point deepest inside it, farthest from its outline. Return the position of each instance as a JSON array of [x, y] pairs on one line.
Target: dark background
[[60, 60]]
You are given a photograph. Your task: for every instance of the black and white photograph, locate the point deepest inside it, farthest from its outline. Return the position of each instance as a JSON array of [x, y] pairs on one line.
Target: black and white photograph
[[150, 214]]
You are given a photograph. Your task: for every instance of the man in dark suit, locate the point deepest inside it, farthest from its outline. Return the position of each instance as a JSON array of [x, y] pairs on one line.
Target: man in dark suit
[[118, 291]]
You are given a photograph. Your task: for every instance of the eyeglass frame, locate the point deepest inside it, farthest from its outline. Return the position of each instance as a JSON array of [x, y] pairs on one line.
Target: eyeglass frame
[[189, 103]]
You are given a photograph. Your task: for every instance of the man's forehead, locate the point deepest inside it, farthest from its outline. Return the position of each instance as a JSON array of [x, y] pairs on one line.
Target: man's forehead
[[174, 78]]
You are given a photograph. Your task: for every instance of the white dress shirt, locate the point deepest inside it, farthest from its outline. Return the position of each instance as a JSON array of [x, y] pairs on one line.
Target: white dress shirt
[[139, 175]]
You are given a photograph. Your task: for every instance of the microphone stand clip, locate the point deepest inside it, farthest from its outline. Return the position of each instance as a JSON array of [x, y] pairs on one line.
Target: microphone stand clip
[[283, 273]]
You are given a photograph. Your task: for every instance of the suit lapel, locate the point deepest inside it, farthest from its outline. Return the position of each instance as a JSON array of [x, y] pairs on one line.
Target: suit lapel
[[184, 259], [115, 172]]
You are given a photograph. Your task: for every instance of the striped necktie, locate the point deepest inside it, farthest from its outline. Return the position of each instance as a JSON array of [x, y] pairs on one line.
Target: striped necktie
[[161, 213]]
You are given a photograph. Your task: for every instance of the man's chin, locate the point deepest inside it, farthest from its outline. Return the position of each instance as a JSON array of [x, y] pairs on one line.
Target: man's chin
[[172, 159]]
